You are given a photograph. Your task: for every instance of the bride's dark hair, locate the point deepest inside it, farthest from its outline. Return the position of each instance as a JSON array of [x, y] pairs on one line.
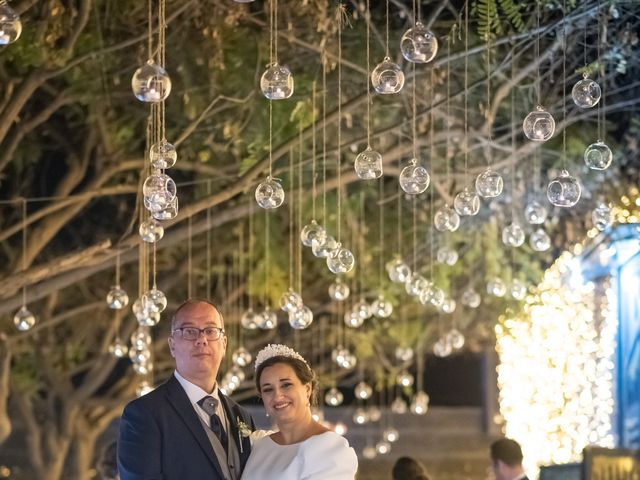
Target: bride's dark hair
[[303, 371]]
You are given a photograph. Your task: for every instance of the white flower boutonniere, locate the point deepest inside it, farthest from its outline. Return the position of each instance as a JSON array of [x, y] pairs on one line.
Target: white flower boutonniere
[[243, 429]]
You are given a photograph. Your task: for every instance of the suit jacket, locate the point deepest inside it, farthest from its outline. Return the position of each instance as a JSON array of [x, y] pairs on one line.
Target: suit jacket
[[162, 438]]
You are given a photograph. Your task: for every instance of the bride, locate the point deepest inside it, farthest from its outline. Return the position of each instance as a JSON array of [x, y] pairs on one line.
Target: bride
[[301, 449]]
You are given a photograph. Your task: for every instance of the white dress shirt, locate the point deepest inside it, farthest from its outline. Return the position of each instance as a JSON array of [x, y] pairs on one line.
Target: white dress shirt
[[195, 394]]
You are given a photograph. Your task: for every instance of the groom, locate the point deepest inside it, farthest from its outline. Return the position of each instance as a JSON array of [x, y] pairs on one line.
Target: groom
[[186, 429]]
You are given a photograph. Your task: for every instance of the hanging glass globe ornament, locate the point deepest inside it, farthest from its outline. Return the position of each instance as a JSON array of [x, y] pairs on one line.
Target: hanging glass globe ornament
[[399, 406], [349, 362], [360, 416], [489, 184], [564, 190], [341, 260], [363, 390], [496, 287], [535, 213], [312, 232], [470, 298], [249, 319], [433, 296], [446, 219], [118, 348], [414, 178], [143, 388], [518, 289], [362, 309], [420, 403], [167, 213], [387, 77], [447, 255], [399, 272], [448, 305], [24, 319], [513, 235], [338, 290], [139, 355], [404, 354], [602, 217], [539, 125], [154, 300], [140, 338], [598, 156], [10, 24], [151, 231], [442, 348], [540, 241], [352, 319], [467, 202], [242, 357], [324, 249], [268, 319], [159, 190], [290, 301], [391, 435], [163, 155], [404, 379], [368, 164], [301, 318], [419, 44], [276, 82], [269, 194], [151, 83], [455, 338], [383, 447], [381, 308], [415, 285], [369, 452], [117, 298], [586, 93]]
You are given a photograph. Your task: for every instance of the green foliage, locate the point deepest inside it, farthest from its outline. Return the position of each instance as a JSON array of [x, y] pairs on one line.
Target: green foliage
[[493, 15]]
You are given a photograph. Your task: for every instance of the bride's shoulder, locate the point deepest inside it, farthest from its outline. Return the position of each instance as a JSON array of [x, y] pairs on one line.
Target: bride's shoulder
[[327, 440], [259, 435]]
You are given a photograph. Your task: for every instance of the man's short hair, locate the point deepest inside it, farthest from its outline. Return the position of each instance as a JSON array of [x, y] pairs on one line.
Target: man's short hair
[[507, 451], [188, 303]]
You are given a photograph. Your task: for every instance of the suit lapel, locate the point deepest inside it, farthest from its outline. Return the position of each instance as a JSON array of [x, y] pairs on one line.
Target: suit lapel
[[178, 399], [243, 444]]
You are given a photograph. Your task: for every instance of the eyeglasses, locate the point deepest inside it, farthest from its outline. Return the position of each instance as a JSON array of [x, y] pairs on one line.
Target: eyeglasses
[[192, 333]]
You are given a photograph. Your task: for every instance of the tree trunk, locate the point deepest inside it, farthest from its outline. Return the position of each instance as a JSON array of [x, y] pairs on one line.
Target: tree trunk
[[5, 364]]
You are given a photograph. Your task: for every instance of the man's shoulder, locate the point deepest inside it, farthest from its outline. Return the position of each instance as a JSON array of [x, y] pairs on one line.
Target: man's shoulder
[[152, 399]]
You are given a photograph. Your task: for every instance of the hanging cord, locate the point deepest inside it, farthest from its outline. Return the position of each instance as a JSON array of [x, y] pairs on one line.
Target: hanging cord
[[299, 244], [291, 216], [564, 84], [24, 249], [414, 119], [538, 51], [250, 260], [339, 153], [368, 21], [314, 191], [387, 29], [381, 233], [324, 137], [466, 93]]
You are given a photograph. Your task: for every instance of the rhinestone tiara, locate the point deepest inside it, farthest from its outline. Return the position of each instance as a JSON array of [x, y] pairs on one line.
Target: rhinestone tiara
[[276, 350]]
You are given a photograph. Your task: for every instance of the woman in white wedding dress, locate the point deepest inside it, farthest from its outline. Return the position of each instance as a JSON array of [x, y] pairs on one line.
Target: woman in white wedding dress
[[301, 449]]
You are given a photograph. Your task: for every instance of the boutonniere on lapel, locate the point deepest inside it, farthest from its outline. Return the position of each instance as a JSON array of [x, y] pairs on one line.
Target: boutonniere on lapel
[[243, 432]]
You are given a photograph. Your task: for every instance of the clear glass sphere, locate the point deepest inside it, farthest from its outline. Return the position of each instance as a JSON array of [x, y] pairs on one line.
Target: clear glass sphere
[[539, 125], [470, 298], [381, 308], [383, 447], [447, 255], [118, 348], [338, 354], [339, 291], [312, 232], [363, 390], [446, 219], [404, 379], [144, 388], [341, 260], [151, 83], [448, 305], [602, 217], [143, 368], [117, 298], [442, 348], [433, 296], [237, 375], [586, 93], [598, 156], [163, 155], [10, 24], [151, 231], [399, 406], [154, 300], [362, 309], [242, 357], [513, 235], [564, 190], [249, 320], [489, 184], [167, 213], [149, 318], [324, 249], [301, 318], [24, 319], [467, 203], [352, 319], [399, 272], [540, 241], [290, 301], [419, 44], [420, 403], [455, 338], [368, 164], [159, 189], [269, 194], [369, 452], [535, 213], [375, 414], [140, 338], [349, 362], [416, 284], [390, 434], [404, 354], [518, 289], [276, 82], [387, 77], [268, 319], [496, 287], [414, 178], [139, 354], [360, 416]]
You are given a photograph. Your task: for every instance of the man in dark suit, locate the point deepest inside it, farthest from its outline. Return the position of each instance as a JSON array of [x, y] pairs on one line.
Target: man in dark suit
[[506, 459], [186, 429]]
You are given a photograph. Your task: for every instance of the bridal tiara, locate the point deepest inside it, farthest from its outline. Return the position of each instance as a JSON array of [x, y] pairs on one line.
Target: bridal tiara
[[277, 350]]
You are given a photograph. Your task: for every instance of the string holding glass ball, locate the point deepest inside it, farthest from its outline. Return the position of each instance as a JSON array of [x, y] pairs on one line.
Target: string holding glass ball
[[414, 178], [467, 202], [368, 164], [276, 82], [446, 219], [269, 194], [151, 83], [540, 241], [489, 183], [513, 235], [10, 24], [564, 190], [387, 77], [539, 125], [586, 93], [162, 155], [598, 156], [602, 217], [419, 44]]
